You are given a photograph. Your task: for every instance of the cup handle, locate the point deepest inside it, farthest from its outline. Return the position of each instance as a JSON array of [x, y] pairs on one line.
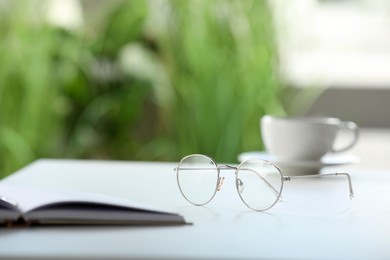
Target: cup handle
[[350, 126]]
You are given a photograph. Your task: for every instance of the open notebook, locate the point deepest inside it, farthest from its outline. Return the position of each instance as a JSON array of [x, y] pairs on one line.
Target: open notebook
[[25, 206]]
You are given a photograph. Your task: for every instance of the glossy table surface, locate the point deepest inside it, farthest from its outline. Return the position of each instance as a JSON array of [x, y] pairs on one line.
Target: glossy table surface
[[315, 220]]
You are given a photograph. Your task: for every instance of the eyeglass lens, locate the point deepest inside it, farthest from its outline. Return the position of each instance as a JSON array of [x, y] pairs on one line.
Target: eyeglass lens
[[259, 184], [197, 176]]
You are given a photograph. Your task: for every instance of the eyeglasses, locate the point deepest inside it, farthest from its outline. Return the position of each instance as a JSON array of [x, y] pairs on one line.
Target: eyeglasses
[[259, 183]]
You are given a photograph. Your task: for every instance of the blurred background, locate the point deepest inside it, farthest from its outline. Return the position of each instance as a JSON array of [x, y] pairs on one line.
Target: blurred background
[[156, 80]]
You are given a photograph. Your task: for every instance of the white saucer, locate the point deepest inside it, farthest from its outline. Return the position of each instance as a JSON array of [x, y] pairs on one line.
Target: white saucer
[[298, 167]]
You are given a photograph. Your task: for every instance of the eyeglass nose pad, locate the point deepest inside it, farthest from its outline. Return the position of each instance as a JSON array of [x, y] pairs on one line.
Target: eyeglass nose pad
[[240, 185], [220, 182]]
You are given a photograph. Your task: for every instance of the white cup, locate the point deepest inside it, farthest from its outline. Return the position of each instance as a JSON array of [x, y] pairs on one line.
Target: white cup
[[304, 138]]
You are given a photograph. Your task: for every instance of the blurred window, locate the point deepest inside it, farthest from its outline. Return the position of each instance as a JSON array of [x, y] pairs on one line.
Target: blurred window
[[343, 43]]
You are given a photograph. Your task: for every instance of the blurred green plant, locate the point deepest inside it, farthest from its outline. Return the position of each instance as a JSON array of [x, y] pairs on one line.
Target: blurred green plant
[[222, 61], [35, 61], [140, 80], [61, 94]]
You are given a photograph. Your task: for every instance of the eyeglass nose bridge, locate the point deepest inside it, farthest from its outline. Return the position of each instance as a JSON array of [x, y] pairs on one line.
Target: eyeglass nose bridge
[[240, 185], [221, 179], [220, 183]]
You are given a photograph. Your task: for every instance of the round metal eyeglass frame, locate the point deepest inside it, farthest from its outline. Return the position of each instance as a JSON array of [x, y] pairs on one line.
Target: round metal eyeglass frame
[[278, 194]]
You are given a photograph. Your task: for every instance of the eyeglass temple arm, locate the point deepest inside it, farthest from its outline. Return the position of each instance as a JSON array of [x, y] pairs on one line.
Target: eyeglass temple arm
[[351, 194]]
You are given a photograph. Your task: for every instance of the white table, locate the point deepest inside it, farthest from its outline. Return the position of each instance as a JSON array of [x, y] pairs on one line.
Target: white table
[[316, 219]]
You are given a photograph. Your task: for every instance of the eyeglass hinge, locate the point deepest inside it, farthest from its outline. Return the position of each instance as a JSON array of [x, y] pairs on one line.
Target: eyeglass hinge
[[286, 178]]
